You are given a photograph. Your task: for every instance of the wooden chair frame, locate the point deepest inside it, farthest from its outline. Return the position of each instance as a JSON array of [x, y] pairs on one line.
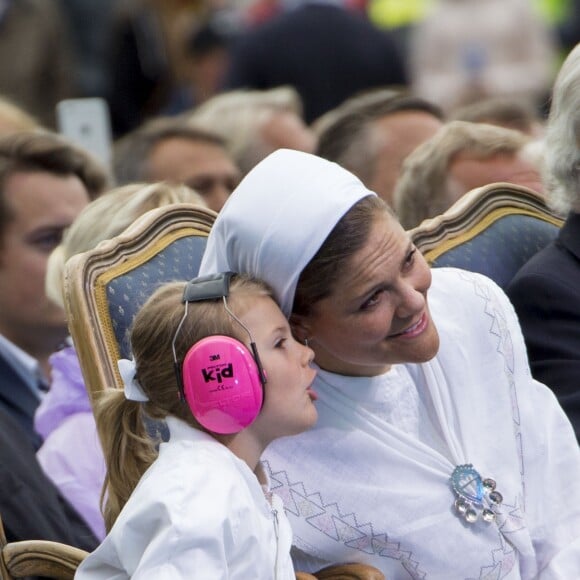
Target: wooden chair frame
[[344, 572], [474, 212], [38, 558], [87, 276]]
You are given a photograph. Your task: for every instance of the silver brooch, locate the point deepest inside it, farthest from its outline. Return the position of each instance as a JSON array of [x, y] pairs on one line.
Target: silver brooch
[[475, 496]]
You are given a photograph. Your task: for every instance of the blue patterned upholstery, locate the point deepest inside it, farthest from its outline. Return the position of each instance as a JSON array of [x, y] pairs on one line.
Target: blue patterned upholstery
[[493, 230], [127, 292], [106, 286], [499, 250]]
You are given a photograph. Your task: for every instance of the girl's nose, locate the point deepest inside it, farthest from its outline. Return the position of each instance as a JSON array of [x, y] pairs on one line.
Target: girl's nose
[[307, 354]]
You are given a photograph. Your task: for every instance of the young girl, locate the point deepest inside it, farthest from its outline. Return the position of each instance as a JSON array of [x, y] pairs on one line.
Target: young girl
[[200, 506]]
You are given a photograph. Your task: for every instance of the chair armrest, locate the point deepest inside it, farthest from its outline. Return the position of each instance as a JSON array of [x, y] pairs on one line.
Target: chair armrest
[[42, 558], [349, 572]]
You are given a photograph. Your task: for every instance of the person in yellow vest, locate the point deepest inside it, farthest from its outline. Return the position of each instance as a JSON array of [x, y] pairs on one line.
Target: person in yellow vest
[[563, 16], [398, 16]]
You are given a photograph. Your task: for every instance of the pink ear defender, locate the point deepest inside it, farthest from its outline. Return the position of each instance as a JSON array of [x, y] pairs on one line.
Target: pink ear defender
[[222, 384], [220, 379]]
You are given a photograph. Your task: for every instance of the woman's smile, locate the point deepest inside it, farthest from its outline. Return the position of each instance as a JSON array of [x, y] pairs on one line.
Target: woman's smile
[[414, 330]]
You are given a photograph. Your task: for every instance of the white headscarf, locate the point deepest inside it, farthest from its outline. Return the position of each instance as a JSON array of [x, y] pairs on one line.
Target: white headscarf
[[278, 217]]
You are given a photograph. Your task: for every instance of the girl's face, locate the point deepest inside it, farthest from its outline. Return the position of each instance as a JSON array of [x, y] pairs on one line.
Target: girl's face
[[377, 314], [288, 399]]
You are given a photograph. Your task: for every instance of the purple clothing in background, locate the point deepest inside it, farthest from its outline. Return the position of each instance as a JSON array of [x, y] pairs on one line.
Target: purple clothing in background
[[71, 454]]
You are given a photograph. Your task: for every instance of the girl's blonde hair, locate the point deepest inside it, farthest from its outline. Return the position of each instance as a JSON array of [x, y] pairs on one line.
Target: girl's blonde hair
[[106, 217], [128, 448]]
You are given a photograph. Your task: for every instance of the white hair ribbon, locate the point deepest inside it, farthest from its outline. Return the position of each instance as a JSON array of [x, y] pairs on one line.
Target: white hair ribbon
[[133, 390]]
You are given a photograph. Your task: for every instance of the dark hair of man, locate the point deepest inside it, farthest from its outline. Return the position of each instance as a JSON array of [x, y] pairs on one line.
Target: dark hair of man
[[43, 151], [346, 141], [512, 113], [131, 152]]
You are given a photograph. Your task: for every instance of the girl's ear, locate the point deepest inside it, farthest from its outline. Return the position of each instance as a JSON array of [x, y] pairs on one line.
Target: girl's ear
[[300, 328]]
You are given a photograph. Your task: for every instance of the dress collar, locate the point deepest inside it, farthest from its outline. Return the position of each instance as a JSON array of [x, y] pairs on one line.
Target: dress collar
[[180, 431], [370, 390]]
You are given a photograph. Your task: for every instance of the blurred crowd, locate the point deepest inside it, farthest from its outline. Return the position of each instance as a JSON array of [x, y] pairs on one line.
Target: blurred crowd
[[160, 57]]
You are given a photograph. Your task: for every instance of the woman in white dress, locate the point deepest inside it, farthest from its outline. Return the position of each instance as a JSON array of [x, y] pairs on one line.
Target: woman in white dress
[[436, 455]]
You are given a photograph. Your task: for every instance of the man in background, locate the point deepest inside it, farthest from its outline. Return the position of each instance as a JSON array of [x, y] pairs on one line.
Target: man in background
[[168, 149], [44, 184], [372, 134]]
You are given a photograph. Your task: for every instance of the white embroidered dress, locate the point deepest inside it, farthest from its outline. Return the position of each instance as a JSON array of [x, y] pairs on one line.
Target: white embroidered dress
[[371, 482]]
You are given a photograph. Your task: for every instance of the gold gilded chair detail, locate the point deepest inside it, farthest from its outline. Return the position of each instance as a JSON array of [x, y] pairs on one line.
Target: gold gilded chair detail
[[492, 230], [106, 286]]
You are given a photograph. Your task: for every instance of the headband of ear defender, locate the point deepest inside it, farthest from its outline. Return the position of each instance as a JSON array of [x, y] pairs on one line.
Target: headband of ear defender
[[219, 378]]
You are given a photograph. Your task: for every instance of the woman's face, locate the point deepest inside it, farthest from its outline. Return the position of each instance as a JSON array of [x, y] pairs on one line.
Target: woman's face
[[377, 314]]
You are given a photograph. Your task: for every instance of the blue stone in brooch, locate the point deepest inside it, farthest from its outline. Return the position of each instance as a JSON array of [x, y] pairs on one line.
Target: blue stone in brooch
[[467, 483], [474, 494]]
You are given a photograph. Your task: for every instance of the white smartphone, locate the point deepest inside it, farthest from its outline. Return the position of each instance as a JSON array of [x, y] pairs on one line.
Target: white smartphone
[[87, 123]]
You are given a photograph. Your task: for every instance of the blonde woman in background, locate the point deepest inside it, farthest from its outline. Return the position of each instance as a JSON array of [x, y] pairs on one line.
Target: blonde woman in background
[[14, 119], [71, 454]]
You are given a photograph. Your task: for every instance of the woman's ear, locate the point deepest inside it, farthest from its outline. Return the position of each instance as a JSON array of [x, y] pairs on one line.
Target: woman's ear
[[300, 328]]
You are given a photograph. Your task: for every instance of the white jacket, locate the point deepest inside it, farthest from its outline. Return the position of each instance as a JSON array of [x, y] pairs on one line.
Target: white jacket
[[198, 512]]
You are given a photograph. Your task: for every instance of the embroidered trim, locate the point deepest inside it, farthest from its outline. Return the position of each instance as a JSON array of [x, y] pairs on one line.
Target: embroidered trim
[[343, 528]]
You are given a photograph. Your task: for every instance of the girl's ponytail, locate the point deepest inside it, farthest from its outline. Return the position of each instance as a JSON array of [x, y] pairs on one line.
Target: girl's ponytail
[[128, 449]]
